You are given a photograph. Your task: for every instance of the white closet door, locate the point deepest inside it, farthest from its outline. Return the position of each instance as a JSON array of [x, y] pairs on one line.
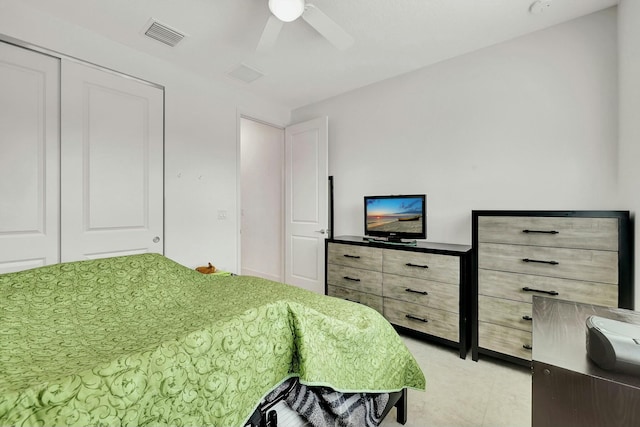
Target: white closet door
[[112, 164], [29, 159]]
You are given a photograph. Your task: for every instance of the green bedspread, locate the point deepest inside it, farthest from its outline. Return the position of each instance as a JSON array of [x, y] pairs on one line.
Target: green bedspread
[[141, 340]]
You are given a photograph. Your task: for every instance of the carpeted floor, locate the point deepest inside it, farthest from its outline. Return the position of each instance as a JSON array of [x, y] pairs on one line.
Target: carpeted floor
[[487, 393]]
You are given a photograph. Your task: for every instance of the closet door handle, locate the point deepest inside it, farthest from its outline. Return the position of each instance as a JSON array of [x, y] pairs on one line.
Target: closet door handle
[[420, 319], [540, 261], [527, 289], [541, 231], [416, 292], [416, 265]]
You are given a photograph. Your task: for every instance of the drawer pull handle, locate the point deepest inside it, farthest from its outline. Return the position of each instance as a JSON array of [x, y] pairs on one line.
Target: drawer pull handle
[[351, 278], [541, 231], [539, 261], [416, 265], [416, 292], [526, 289], [420, 319], [352, 300], [527, 346], [527, 318], [351, 256]]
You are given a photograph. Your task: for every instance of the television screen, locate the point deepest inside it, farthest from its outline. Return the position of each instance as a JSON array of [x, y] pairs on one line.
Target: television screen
[[396, 217]]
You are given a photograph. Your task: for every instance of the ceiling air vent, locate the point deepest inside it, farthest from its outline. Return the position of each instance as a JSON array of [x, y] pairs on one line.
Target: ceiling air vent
[[162, 33], [245, 73]]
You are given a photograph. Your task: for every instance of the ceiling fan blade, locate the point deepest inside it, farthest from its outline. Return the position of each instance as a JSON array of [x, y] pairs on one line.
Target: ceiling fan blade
[[270, 34], [327, 27]]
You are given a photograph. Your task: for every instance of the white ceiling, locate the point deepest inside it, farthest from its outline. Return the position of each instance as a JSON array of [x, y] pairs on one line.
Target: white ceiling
[[392, 37]]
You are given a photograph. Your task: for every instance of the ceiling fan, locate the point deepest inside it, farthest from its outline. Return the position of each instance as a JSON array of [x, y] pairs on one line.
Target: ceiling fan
[[289, 10]]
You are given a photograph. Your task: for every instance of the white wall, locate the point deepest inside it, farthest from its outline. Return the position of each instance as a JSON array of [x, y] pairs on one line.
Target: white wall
[[200, 134], [526, 124], [629, 52]]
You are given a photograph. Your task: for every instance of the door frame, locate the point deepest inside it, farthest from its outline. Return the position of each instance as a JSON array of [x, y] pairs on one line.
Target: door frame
[[248, 115], [244, 114]]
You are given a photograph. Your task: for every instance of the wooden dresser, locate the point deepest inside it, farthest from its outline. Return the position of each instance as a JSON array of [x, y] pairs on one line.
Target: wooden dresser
[[582, 256], [568, 389], [420, 289]]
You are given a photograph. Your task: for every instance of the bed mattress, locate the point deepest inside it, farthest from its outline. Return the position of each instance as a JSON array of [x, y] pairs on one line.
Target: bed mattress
[[142, 340]]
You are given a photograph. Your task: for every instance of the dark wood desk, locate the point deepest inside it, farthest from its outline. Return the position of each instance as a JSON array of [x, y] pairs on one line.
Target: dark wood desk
[[568, 388]]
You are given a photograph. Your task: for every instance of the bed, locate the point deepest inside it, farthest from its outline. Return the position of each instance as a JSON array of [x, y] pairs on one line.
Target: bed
[[141, 340]]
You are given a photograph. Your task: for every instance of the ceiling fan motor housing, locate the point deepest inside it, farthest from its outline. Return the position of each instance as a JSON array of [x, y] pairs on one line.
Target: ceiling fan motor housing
[[287, 10]]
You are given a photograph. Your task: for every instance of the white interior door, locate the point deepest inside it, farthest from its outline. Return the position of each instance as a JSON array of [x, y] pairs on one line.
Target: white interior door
[[29, 159], [112, 164], [306, 206]]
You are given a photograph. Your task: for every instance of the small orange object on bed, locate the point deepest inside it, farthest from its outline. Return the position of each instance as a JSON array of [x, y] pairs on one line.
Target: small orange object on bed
[[209, 269]]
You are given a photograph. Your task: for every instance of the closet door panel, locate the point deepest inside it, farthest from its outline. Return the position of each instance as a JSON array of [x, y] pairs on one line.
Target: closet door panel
[[112, 164], [29, 159]]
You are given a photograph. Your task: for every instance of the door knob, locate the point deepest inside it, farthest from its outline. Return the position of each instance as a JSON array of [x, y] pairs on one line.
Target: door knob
[[322, 231], [156, 239]]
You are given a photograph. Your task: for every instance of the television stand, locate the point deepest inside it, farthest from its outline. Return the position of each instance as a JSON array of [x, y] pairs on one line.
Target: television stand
[[421, 289]]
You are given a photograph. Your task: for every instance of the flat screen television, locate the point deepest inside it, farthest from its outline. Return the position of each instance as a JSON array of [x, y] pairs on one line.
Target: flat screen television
[[396, 217]]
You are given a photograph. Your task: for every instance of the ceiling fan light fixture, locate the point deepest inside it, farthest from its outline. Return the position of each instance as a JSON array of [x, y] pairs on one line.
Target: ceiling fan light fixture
[[286, 10]]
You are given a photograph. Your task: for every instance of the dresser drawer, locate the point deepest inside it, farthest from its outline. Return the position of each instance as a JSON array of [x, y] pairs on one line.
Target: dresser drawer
[[442, 268], [565, 232], [499, 311], [373, 301], [355, 256], [424, 292], [355, 278], [432, 321], [511, 286], [505, 340], [578, 264]]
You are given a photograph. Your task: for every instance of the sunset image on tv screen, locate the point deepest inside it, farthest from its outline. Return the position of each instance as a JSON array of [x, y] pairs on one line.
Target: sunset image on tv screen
[[395, 214]]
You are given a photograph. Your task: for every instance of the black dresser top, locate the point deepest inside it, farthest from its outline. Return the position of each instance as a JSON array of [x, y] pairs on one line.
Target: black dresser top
[[419, 246]]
